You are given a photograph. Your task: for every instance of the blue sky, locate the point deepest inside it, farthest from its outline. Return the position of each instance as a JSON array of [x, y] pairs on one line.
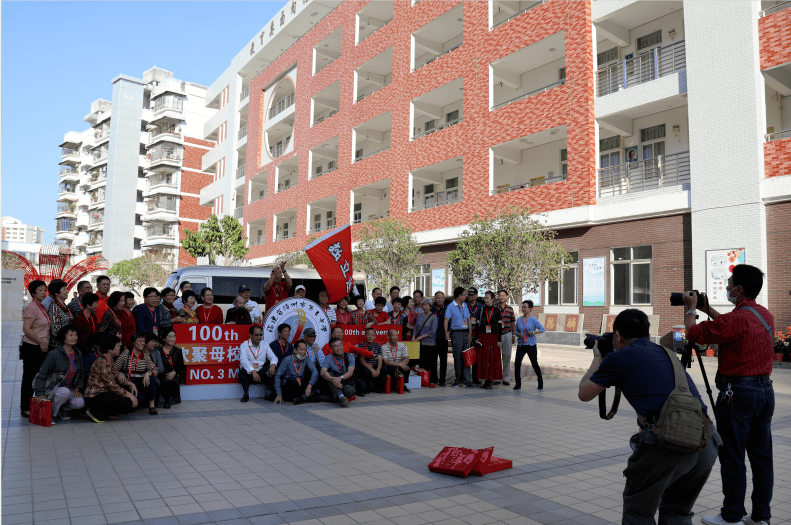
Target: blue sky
[[58, 57]]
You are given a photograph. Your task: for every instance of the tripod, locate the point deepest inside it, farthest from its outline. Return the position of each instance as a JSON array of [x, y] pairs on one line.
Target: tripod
[[686, 361]]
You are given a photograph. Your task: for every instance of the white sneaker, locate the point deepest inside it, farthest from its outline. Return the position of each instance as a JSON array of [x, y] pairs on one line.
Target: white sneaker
[[747, 520], [717, 520]]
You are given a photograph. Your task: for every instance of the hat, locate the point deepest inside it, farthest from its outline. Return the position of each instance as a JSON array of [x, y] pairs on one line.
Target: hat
[[472, 291], [309, 331], [244, 288], [298, 288]]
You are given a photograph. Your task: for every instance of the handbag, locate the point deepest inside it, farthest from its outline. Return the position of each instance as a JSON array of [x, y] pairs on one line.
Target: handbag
[[40, 412], [470, 356]]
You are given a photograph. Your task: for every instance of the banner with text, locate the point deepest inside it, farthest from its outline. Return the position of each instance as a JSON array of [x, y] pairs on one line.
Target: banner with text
[[211, 351], [332, 257]]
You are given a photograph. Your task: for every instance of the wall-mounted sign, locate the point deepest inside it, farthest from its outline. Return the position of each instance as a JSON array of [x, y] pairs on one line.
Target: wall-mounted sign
[[593, 281], [719, 267]]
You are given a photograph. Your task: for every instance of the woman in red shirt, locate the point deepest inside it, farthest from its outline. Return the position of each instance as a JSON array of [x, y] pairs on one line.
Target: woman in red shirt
[[342, 313], [128, 326], [208, 312]]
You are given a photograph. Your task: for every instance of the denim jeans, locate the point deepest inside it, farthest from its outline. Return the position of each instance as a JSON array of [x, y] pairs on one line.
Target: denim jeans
[[460, 344], [745, 425]]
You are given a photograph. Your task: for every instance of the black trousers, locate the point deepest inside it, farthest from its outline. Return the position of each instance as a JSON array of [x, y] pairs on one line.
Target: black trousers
[[391, 370], [108, 404], [293, 390], [146, 393], [532, 354], [32, 359], [246, 379], [368, 381], [428, 360], [169, 389]]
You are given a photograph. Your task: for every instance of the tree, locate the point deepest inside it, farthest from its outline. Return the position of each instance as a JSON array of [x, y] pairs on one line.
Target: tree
[[387, 252], [508, 249], [151, 269], [217, 238]]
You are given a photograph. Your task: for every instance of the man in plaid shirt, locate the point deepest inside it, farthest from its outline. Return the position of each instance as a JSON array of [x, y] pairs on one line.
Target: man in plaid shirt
[[361, 316]]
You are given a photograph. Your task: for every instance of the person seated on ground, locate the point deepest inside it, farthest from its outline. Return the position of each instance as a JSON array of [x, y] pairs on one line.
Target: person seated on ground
[[369, 370], [238, 314], [395, 357], [342, 314], [300, 291], [187, 312], [252, 361], [140, 369], [85, 322], [379, 313], [61, 379], [324, 302], [314, 350], [349, 348], [361, 316], [208, 312], [292, 381], [105, 393], [173, 368], [281, 349], [111, 322], [338, 372]]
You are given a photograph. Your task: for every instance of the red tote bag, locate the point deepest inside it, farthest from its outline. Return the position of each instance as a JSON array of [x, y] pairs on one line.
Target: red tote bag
[[470, 357], [40, 413]]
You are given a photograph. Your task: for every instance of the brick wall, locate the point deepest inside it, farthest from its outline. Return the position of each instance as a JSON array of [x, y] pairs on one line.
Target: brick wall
[[778, 270], [192, 181], [775, 38], [777, 157], [571, 104]]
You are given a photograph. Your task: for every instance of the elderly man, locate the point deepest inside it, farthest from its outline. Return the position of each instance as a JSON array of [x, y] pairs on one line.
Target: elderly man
[[314, 350], [75, 305], [395, 293], [369, 371], [349, 348], [458, 331], [277, 286], [395, 356], [238, 314], [102, 291], [252, 360], [324, 302], [338, 372], [178, 304], [375, 293], [300, 291], [296, 376], [417, 297], [149, 317], [250, 305]]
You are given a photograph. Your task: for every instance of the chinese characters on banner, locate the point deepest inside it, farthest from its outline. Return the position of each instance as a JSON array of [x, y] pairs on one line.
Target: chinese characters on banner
[[211, 351], [332, 257]]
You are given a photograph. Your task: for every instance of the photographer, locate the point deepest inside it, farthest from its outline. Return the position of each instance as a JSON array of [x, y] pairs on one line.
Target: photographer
[[656, 477], [746, 401]]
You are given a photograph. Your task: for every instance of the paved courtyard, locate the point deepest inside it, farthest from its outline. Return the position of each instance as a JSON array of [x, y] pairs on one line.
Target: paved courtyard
[[229, 463]]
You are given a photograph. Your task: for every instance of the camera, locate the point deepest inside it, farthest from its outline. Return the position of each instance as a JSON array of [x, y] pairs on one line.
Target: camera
[[677, 299], [605, 343]]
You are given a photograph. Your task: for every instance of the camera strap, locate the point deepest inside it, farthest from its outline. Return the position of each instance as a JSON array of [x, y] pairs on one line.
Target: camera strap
[[603, 404]]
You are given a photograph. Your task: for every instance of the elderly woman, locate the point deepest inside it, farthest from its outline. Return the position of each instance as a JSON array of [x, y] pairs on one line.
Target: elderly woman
[[59, 313], [140, 369], [490, 325], [342, 313], [173, 368], [85, 322], [61, 379], [105, 393], [410, 314], [425, 333], [187, 312], [111, 321], [128, 325], [35, 341], [169, 302]]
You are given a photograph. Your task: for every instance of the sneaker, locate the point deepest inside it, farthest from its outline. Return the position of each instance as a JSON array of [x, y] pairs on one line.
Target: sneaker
[[718, 520], [94, 418], [406, 390], [245, 398], [454, 385], [507, 383], [747, 520], [469, 385], [344, 402], [496, 382], [63, 415]]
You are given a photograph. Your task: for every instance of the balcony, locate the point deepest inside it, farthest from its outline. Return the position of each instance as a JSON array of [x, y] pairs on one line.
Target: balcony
[[240, 171], [643, 175], [161, 229], [534, 160], [281, 105], [285, 235], [98, 176], [97, 196], [161, 180], [242, 132], [326, 103], [96, 239], [258, 240], [101, 135], [278, 150], [371, 217], [286, 174], [774, 9], [257, 187], [373, 17], [69, 153], [285, 224], [161, 204], [95, 217], [166, 131], [322, 214], [238, 213], [656, 63], [245, 93], [432, 59], [328, 50], [777, 135], [372, 137], [171, 102], [67, 209], [371, 202], [69, 174], [437, 38], [164, 155], [436, 184], [374, 75], [504, 8], [99, 158], [529, 94], [65, 225], [67, 189]]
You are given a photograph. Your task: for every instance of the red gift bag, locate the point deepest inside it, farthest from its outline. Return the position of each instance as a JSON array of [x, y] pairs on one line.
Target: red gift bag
[[470, 357], [40, 413], [425, 376], [455, 461], [387, 384], [399, 385]]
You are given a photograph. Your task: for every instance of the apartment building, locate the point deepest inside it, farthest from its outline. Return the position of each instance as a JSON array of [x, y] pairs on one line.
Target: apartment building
[[651, 135], [14, 230], [130, 182]]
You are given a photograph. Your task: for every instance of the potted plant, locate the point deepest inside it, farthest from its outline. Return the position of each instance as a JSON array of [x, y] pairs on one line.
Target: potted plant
[[782, 345]]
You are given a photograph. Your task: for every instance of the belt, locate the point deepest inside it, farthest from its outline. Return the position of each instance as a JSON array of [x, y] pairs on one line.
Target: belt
[[506, 332], [721, 380]]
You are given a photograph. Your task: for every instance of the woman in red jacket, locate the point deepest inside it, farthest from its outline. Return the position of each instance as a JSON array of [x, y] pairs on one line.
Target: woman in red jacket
[[208, 312]]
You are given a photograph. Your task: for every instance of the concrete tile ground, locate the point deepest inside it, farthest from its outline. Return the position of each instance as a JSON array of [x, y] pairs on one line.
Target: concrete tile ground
[[223, 462]]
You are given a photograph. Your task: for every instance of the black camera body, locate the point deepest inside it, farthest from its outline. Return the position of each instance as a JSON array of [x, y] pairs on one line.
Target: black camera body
[[677, 299], [605, 343]]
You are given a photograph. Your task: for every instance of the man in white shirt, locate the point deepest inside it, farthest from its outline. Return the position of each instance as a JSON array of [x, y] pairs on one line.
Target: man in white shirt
[[376, 292], [178, 304], [252, 306], [252, 358]]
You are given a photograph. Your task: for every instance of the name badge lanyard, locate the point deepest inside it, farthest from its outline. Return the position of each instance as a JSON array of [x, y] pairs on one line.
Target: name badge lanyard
[[298, 371], [207, 314], [340, 366], [44, 313], [152, 311], [489, 320], [394, 353], [131, 365], [64, 309], [255, 355]]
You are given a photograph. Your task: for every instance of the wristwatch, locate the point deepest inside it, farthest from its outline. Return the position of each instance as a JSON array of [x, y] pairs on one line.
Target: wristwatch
[[690, 312]]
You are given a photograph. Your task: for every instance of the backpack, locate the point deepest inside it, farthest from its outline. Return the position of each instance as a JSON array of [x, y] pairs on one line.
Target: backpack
[[682, 425]]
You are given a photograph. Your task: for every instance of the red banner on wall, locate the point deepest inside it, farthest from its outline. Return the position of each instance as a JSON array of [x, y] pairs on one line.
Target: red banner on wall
[[356, 333], [332, 257], [211, 351]]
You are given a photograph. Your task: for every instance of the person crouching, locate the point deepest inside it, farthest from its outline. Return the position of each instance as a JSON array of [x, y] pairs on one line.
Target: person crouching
[[338, 371], [296, 376]]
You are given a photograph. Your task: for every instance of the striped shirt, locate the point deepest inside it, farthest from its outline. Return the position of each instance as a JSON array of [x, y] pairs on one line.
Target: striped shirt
[[508, 316], [137, 368], [377, 351]]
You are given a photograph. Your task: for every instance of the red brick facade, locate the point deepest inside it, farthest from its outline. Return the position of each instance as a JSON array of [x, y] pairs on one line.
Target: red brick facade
[[192, 181], [777, 157], [775, 38], [571, 104], [778, 267]]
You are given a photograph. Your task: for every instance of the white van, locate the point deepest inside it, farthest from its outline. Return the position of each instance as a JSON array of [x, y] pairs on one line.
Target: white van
[[226, 280]]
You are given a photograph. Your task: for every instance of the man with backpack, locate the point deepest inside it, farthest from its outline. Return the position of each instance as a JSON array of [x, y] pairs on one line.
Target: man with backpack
[[667, 471]]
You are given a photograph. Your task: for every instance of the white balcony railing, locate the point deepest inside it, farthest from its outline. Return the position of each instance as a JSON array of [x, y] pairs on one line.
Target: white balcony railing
[[432, 59], [325, 117], [371, 217], [238, 213], [67, 207], [283, 236], [278, 150], [529, 94], [68, 152], [649, 174], [328, 170], [538, 181], [528, 8], [68, 172], [97, 196], [281, 105], [374, 90], [648, 66], [163, 154], [65, 225], [432, 130], [435, 204], [774, 9], [66, 188], [168, 102], [361, 157], [160, 230], [245, 93], [240, 171], [242, 132], [166, 180], [165, 130], [255, 241], [161, 204], [284, 187], [99, 134], [777, 135]]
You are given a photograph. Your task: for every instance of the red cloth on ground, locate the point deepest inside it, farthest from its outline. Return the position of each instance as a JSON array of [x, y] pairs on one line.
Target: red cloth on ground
[[490, 360]]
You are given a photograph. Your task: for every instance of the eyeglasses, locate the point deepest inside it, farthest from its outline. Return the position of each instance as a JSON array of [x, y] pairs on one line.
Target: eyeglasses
[[152, 296]]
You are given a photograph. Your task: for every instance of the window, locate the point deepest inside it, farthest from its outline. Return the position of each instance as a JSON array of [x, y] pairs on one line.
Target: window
[[318, 169], [422, 281], [330, 220], [564, 164], [452, 189], [358, 154], [607, 56], [331, 165], [565, 290], [649, 40], [227, 288], [358, 211], [652, 133], [562, 73], [610, 143], [431, 124], [610, 154], [317, 221], [631, 275], [453, 115]]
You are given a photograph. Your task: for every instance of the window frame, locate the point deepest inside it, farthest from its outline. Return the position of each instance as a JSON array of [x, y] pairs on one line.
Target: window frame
[[571, 266], [631, 262]]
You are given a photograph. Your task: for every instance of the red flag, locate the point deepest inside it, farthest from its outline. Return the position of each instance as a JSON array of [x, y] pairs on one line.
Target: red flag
[[332, 257]]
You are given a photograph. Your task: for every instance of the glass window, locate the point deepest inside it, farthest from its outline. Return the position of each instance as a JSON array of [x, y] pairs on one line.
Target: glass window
[[453, 115], [431, 124], [652, 133], [565, 290], [562, 73], [649, 40], [607, 56], [553, 293], [610, 143], [631, 275]]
